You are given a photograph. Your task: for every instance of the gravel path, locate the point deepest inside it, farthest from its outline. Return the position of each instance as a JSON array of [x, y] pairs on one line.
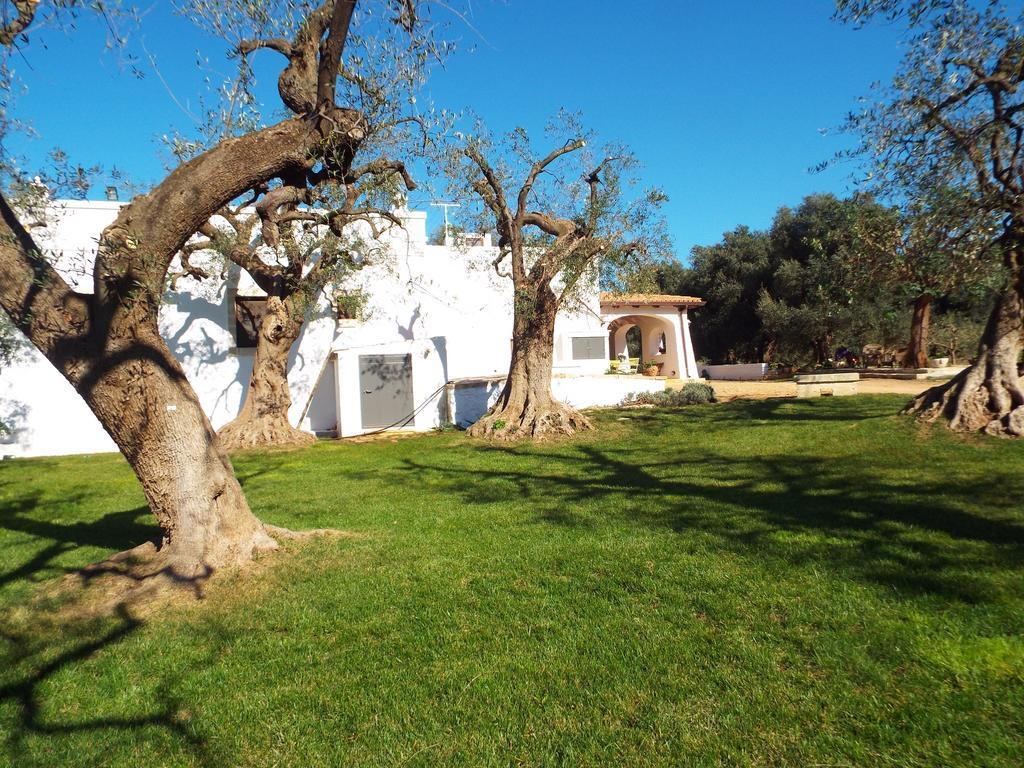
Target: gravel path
[[759, 390]]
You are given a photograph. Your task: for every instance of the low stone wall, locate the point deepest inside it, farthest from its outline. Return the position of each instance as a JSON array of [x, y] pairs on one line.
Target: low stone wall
[[469, 399], [818, 384], [736, 372], [591, 391]]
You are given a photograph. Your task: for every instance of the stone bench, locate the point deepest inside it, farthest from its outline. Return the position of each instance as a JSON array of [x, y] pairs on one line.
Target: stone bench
[[818, 384]]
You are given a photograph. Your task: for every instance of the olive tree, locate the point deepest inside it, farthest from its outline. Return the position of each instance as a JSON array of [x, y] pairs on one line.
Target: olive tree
[[564, 218], [925, 250], [299, 235], [953, 116], [107, 343]]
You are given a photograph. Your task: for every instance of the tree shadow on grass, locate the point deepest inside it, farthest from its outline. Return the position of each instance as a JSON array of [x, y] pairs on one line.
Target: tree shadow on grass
[[30, 664], [32, 512], [47, 646], [919, 537], [781, 411], [252, 466], [28, 513]]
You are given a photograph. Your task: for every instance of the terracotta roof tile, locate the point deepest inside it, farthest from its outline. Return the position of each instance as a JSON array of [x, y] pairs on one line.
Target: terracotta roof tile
[[649, 298]]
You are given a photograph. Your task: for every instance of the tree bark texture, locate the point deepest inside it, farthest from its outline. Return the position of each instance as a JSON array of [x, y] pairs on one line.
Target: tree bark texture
[[917, 350], [138, 392], [263, 419], [526, 407], [988, 396], [107, 345]]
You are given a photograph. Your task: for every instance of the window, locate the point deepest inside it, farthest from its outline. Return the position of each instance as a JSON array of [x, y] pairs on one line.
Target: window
[[588, 348], [249, 311]]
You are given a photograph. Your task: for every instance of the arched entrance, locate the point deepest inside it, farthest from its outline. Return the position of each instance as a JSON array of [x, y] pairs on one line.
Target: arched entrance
[[657, 337], [663, 325]]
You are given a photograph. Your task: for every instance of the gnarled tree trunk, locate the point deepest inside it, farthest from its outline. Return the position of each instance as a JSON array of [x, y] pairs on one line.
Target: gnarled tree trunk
[[917, 350], [988, 396], [263, 421], [116, 360], [108, 346], [139, 393], [526, 407]]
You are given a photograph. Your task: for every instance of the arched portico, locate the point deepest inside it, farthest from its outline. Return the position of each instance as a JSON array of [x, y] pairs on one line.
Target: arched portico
[[664, 329]]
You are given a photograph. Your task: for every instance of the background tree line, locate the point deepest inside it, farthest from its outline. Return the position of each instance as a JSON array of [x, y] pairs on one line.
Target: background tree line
[[834, 273]]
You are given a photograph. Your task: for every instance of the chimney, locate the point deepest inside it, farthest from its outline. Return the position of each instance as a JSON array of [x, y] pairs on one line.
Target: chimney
[[112, 193]]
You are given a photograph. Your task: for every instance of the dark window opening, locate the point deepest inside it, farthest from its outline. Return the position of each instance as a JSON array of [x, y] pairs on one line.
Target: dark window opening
[[249, 312], [634, 341], [588, 348]]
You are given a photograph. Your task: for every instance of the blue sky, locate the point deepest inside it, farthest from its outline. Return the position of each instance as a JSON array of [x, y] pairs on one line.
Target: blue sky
[[722, 101]]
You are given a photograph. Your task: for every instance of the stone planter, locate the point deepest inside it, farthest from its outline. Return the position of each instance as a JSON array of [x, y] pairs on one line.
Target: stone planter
[[938, 362]]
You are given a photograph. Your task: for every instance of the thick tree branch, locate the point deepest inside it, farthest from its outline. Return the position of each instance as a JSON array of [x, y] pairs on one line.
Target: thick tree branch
[[25, 11], [279, 44], [538, 167], [36, 298], [330, 56], [548, 224], [382, 167], [268, 277], [490, 190], [267, 210]]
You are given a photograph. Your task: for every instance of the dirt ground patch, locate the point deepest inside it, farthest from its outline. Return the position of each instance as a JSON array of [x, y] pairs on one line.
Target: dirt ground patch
[[760, 390]]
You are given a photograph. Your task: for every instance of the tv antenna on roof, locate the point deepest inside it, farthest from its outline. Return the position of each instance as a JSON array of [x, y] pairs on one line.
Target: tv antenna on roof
[[446, 206]]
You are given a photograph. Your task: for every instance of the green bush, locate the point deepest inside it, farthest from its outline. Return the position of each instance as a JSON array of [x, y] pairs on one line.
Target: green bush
[[692, 393]]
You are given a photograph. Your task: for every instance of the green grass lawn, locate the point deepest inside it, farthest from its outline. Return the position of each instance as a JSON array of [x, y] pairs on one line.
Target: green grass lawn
[[754, 583]]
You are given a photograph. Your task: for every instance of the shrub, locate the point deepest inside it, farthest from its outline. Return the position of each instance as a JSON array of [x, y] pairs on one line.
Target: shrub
[[692, 393], [697, 392]]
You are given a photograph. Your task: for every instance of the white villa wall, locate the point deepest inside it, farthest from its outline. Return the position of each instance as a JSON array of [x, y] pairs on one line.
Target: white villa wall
[[581, 318], [428, 380], [591, 391], [45, 415], [446, 306]]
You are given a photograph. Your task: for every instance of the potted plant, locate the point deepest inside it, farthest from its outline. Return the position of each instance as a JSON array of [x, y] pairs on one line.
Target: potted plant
[[651, 369]]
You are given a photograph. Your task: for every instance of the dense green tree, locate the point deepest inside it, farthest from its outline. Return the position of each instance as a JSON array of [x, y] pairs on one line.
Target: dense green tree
[[673, 278], [785, 295], [953, 116], [811, 304], [730, 276], [929, 249]]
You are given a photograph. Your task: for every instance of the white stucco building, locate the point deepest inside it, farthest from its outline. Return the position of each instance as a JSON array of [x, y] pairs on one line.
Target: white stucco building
[[430, 345]]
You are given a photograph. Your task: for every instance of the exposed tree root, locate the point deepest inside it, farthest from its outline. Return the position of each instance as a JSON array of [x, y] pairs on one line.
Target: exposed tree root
[[521, 423], [267, 432], [975, 402], [148, 577]]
